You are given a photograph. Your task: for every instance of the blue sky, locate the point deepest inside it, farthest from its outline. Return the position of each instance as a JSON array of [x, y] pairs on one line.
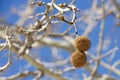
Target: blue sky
[[111, 32]]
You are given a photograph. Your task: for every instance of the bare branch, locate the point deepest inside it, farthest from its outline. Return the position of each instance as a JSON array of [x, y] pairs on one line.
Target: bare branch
[[116, 5], [100, 45], [8, 42], [39, 66], [22, 75]]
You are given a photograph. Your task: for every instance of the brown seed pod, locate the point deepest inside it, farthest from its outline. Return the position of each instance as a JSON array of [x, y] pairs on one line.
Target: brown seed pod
[[78, 59], [82, 43]]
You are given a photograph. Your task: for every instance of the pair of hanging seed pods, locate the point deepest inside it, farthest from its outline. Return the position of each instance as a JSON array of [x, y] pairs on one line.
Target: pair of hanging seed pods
[[79, 58]]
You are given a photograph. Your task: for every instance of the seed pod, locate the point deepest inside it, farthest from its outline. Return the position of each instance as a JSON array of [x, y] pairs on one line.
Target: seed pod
[[82, 43], [78, 59]]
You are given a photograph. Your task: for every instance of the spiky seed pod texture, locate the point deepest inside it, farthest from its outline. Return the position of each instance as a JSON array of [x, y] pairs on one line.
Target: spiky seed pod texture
[[82, 43], [78, 59]]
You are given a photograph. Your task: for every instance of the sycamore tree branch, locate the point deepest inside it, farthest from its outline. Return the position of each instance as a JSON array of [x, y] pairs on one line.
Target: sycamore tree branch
[[37, 63], [61, 44], [116, 5], [106, 65], [101, 35], [22, 75]]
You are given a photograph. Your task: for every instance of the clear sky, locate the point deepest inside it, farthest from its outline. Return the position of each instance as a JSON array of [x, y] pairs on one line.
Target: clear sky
[[111, 32]]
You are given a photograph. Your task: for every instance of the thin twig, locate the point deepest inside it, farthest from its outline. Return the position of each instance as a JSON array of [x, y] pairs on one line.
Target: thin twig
[[57, 63], [38, 65], [8, 42], [107, 66], [2, 46], [116, 5], [8, 63], [22, 75], [112, 51], [100, 45]]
